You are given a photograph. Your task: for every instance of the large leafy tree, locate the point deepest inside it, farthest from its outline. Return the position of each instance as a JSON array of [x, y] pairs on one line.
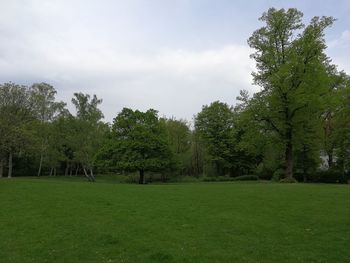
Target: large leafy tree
[[292, 71], [139, 142]]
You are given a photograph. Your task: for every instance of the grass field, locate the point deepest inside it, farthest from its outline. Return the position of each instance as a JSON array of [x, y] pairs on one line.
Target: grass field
[[57, 221]]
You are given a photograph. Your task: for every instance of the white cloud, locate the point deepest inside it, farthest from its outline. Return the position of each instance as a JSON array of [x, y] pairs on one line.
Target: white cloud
[[175, 82], [338, 50], [81, 46], [342, 41]]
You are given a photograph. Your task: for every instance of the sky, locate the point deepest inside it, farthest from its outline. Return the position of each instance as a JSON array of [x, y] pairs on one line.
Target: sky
[[170, 55]]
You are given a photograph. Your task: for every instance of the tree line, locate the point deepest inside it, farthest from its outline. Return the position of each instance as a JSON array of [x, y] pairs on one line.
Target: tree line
[[297, 127]]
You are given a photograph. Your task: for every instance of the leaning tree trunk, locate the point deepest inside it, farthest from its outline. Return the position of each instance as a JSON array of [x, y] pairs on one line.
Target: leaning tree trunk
[[9, 174], [89, 177], [40, 164], [92, 175], [86, 174], [142, 177]]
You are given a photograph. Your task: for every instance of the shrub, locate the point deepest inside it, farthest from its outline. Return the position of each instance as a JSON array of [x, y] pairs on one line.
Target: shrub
[[329, 176], [209, 179], [277, 175], [288, 180], [246, 178], [217, 179]]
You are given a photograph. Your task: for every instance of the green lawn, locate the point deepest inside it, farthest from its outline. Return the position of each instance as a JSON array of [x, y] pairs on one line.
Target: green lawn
[[58, 221]]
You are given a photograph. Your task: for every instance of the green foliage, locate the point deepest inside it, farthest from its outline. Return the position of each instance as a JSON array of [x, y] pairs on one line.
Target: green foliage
[[278, 175], [330, 176], [217, 127], [139, 142], [246, 178], [179, 138], [288, 180], [292, 70], [215, 124]]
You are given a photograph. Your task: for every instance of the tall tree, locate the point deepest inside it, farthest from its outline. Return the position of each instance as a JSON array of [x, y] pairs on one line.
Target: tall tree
[[215, 126], [139, 142], [291, 69], [46, 109], [341, 126], [179, 136], [16, 114], [334, 105], [89, 131]]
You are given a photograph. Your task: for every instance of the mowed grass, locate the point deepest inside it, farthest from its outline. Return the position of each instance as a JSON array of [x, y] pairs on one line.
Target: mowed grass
[[58, 221]]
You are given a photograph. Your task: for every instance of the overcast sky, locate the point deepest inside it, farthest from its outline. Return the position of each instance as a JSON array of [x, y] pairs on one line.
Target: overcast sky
[[170, 55]]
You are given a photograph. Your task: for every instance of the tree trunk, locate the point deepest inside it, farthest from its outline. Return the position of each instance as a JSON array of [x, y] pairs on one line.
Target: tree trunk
[[54, 171], [1, 168], [40, 164], [51, 171], [9, 175], [217, 166], [330, 160], [92, 175], [289, 160], [76, 170], [87, 175], [304, 163], [142, 177], [66, 170]]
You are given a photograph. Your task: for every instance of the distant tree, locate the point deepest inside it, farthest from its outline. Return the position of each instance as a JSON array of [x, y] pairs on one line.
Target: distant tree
[[179, 136], [16, 114], [139, 142], [292, 70], [341, 125], [215, 126], [45, 109], [88, 131], [197, 154], [334, 105]]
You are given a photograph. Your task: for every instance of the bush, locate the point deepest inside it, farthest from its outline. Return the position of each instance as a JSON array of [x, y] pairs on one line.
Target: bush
[[183, 179], [329, 176], [246, 178], [278, 175], [217, 179], [288, 180]]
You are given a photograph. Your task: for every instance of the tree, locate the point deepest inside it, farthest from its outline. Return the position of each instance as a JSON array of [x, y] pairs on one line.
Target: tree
[[88, 132], [334, 105], [45, 109], [215, 126], [341, 125], [139, 142], [16, 114], [292, 70], [179, 137]]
